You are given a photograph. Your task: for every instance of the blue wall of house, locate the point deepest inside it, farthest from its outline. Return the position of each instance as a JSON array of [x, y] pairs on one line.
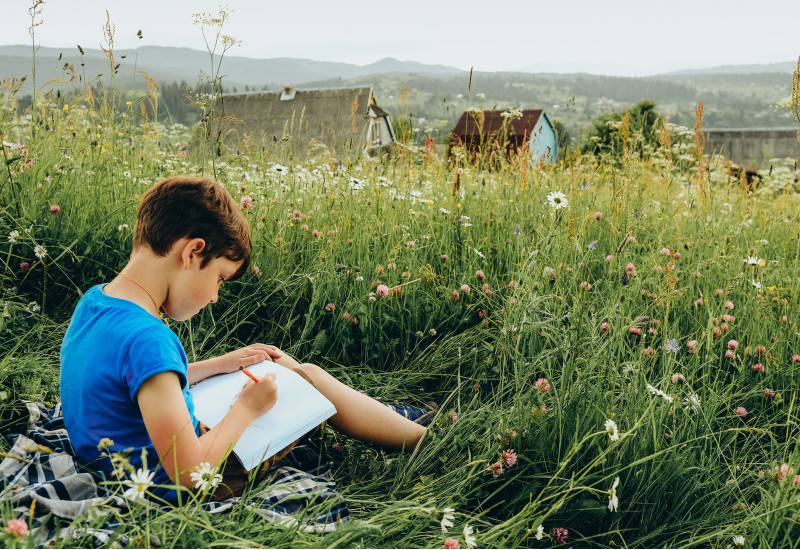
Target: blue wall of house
[[543, 140]]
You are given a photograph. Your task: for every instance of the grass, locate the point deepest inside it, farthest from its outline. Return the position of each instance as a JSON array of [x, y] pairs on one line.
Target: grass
[[689, 474]]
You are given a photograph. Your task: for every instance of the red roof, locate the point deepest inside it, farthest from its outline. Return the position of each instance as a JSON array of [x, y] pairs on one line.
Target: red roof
[[469, 123]]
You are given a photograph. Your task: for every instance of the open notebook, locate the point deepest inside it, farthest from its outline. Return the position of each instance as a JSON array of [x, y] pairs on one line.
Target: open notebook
[[299, 409]]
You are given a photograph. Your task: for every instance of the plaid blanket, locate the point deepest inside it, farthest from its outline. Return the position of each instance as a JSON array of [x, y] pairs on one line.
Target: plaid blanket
[[41, 481]]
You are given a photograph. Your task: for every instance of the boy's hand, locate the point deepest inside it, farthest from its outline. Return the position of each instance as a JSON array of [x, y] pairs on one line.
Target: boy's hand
[[247, 356], [261, 396]]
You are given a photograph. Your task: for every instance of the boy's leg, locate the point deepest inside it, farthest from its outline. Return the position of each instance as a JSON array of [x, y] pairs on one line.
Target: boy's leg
[[359, 415]]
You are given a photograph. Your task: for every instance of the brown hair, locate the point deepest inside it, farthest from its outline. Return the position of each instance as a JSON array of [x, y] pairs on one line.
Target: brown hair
[[194, 207]]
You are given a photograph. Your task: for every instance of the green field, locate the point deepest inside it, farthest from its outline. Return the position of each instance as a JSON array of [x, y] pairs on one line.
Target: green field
[[659, 304]]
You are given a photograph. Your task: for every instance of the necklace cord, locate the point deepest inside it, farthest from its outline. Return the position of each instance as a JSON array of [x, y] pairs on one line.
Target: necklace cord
[[140, 285]]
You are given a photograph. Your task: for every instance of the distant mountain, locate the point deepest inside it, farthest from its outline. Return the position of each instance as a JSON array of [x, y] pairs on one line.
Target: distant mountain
[[786, 67], [167, 64]]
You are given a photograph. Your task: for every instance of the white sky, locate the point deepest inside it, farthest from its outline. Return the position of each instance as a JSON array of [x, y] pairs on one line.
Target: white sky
[[623, 37]]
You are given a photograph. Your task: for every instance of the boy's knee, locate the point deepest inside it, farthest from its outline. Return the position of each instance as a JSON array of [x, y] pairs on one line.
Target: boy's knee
[[309, 371]]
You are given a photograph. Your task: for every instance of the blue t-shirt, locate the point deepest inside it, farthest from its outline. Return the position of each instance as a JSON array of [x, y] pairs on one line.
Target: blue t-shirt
[[111, 347]]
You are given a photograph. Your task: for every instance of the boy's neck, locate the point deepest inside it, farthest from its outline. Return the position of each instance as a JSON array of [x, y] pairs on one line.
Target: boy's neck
[[143, 281]]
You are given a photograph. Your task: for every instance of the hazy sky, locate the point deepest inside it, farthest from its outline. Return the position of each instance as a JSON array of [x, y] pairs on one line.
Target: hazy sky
[[624, 37]]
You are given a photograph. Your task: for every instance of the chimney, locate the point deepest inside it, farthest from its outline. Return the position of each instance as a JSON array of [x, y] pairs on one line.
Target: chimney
[[287, 93]]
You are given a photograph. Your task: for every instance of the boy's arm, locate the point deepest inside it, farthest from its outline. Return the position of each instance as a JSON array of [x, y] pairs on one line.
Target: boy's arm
[[230, 362], [170, 428]]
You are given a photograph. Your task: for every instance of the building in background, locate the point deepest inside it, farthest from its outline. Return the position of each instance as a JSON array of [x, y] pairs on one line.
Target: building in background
[[345, 122], [495, 132]]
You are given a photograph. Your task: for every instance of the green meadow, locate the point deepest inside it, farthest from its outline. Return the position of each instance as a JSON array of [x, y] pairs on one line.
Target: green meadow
[[613, 340]]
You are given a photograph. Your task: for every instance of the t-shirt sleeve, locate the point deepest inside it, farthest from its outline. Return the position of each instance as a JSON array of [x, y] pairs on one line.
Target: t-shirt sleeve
[[153, 351]]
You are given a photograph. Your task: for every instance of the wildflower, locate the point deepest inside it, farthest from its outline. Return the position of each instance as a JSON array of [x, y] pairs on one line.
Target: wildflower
[[795, 358], [557, 200], [139, 483], [479, 275], [677, 255], [453, 417], [542, 385], [122, 227], [469, 538], [382, 291], [609, 258], [496, 468], [24, 267], [631, 239], [517, 231], [733, 344], [585, 285], [691, 345], [613, 499], [39, 251], [612, 430], [410, 244], [677, 376], [636, 330], [756, 284], [738, 540], [451, 543], [758, 368], [432, 332], [246, 202], [592, 245], [55, 209], [540, 532], [447, 519], [13, 236], [768, 393], [604, 327], [465, 288], [673, 346], [665, 252], [741, 411], [656, 391], [17, 528], [784, 320], [330, 307], [560, 535], [598, 216], [317, 233], [455, 296], [445, 257], [337, 447], [728, 305], [692, 403], [508, 457], [752, 260], [205, 477], [65, 108]]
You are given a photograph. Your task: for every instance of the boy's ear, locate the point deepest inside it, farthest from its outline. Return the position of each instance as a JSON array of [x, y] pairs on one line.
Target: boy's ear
[[192, 248]]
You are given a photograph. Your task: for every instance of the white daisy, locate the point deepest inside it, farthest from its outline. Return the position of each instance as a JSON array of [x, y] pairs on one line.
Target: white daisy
[[469, 538], [13, 236], [540, 532], [752, 260], [738, 540], [656, 391], [39, 251], [447, 519], [205, 477], [139, 483], [612, 430], [756, 284], [557, 200], [613, 499]]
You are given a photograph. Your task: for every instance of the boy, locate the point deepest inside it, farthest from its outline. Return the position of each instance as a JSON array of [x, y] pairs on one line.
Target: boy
[[125, 375]]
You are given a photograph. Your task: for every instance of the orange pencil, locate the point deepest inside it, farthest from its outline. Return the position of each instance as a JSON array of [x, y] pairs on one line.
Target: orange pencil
[[248, 373]]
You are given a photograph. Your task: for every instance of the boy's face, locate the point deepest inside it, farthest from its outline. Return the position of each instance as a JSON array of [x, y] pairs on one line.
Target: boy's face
[[196, 287]]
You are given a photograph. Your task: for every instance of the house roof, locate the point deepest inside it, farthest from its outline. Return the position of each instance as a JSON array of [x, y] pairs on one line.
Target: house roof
[[338, 117], [469, 125]]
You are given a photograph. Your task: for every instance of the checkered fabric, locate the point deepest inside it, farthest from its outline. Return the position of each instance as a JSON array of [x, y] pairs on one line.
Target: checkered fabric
[[41, 481]]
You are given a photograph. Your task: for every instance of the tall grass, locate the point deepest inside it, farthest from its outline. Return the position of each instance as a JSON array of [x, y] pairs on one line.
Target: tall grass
[[554, 294]]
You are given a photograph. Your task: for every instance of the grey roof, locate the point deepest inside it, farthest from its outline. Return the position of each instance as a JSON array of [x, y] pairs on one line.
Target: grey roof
[[337, 117]]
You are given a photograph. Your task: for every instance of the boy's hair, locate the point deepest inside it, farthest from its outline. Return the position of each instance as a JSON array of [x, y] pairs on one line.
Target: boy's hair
[[194, 207]]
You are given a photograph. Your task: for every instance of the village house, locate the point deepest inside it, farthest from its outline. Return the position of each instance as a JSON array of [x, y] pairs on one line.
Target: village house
[[347, 122], [482, 132]]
